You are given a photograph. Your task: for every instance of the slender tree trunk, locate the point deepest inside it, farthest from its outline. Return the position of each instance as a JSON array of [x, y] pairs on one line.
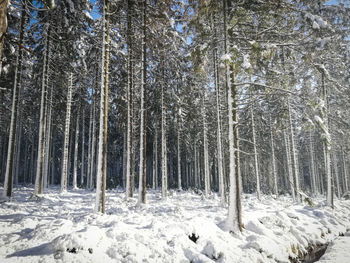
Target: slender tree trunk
[[155, 168], [75, 166], [88, 176], [294, 154], [345, 175], [16, 89], [142, 173], [274, 172], [65, 169], [314, 188], [234, 216], [206, 157], [336, 174], [47, 141], [93, 147], [82, 170], [179, 184], [164, 145], [257, 175], [40, 153], [102, 145], [130, 129], [289, 165], [218, 119]]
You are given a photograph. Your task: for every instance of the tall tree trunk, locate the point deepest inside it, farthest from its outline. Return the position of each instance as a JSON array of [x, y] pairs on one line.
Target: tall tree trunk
[[155, 153], [233, 219], [102, 143], [345, 173], [179, 184], [294, 153], [336, 174], [205, 146], [274, 172], [142, 173], [257, 175], [40, 153], [130, 90], [326, 143], [314, 186], [82, 170], [47, 141], [88, 175], [75, 166], [164, 144], [289, 164], [93, 145], [65, 169], [218, 120], [16, 89]]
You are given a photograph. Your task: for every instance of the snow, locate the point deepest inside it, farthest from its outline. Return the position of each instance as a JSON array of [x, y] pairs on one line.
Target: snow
[[64, 228], [337, 251]]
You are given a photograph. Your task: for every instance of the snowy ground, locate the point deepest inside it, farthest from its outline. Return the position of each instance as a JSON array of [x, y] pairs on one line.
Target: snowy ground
[[64, 228], [338, 250]]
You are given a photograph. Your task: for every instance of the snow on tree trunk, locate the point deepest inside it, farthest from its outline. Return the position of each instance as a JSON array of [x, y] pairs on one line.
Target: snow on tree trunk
[[345, 173], [155, 158], [274, 173], [65, 170], [233, 218], [142, 174], [47, 141], [88, 176], [314, 187], [178, 155], [294, 153], [40, 153], [257, 176], [129, 152], [336, 174], [164, 149], [15, 101], [205, 146], [218, 136], [102, 142], [82, 171], [75, 165], [289, 165]]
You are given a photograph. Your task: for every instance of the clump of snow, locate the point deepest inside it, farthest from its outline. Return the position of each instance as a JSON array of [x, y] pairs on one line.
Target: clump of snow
[[63, 227]]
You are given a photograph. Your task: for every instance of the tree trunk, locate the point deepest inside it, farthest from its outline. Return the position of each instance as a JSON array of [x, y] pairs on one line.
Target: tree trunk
[[82, 170], [75, 166], [16, 89], [102, 144], [233, 219], [314, 186], [294, 153], [142, 173], [289, 164], [48, 141], [65, 170], [40, 153], [130, 128], [179, 184], [164, 145], [274, 172], [206, 157], [88, 175], [257, 176]]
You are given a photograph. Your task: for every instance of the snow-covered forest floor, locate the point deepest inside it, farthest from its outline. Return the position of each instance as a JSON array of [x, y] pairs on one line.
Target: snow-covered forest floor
[[64, 227]]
